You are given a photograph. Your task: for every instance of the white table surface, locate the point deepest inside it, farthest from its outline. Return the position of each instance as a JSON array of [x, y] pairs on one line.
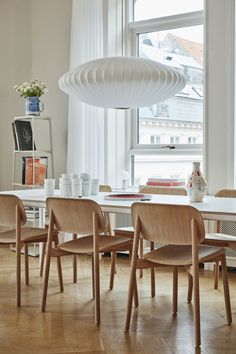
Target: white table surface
[[211, 208]]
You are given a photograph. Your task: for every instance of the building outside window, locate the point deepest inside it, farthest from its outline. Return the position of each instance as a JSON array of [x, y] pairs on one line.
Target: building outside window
[[176, 41]]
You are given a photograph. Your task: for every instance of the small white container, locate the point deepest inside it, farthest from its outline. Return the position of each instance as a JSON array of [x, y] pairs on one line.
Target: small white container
[[66, 190], [95, 186], [76, 187], [86, 188], [49, 187]]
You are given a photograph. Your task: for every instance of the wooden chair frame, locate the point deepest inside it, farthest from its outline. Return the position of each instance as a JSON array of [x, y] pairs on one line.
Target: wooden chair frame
[[64, 216], [180, 226], [13, 217]]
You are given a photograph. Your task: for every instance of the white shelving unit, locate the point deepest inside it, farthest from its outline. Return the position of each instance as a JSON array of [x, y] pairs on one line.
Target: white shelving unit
[[18, 154]]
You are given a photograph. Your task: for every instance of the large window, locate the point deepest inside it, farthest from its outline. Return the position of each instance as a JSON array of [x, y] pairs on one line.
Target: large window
[[181, 116], [146, 9], [168, 136]]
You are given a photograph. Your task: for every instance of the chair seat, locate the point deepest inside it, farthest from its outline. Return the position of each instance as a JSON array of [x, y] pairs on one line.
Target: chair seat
[[106, 243], [127, 231], [178, 255], [28, 234]]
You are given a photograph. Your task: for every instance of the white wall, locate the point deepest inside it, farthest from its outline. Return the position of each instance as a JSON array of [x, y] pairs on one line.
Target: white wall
[[34, 43]]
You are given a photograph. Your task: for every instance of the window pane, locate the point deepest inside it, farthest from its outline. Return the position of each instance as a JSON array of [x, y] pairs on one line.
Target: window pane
[[146, 9], [146, 166], [179, 119]]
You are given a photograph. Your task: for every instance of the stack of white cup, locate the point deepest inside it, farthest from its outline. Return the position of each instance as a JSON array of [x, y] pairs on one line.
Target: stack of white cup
[[86, 184], [76, 185], [49, 186], [65, 185], [95, 186]]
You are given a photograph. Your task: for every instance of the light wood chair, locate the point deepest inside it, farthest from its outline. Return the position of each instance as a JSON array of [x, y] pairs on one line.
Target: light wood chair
[[13, 217], [220, 239], [129, 231], [84, 218], [182, 229]]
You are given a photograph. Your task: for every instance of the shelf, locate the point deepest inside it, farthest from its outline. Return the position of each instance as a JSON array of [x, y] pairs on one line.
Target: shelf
[[27, 185], [35, 152], [32, 117], [20, 175]]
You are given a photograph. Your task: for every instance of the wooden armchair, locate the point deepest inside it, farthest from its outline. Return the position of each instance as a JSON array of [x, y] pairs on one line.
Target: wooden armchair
[[219, 238], [129, 231], [13, 217], [181, 228], [84, 218]]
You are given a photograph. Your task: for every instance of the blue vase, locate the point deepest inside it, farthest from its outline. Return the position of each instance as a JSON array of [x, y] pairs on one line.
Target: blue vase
[[32, 106]]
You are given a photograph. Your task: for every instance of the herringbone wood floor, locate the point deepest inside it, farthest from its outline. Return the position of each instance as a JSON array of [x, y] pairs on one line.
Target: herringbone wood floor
[[68, 324]]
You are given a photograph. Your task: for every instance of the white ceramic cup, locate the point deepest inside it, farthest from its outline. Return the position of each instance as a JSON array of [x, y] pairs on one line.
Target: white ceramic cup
[[95, 186], [49, 186], [76, 187], [86, 188]]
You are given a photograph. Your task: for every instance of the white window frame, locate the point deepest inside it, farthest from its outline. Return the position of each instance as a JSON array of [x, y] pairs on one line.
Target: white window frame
[[153, 25]]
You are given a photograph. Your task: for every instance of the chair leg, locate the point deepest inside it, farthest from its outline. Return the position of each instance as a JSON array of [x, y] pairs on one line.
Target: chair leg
[[97, 287], [141, 256], [113, 269], [197, 324], [175, 290], [45, 283], [18, 275], [59, 268], [26, 264], [190, 287], [42, 259], [93, 289], [74, 263], [132, 282], [226, 289], [216, 275], [135, 295], [152, 270]]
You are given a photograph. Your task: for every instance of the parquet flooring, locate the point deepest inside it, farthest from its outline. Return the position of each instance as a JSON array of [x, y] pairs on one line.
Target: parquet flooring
[[67, 327]]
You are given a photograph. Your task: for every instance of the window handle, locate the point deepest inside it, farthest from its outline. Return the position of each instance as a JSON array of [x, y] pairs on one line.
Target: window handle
[[171, 147]]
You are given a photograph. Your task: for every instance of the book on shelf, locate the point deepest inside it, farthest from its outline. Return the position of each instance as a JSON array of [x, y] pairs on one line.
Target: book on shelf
[[23, 135], [34, 170], [15, 136], [165, 182]]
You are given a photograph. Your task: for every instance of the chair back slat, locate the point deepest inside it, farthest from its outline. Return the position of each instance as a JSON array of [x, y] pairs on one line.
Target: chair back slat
[[75, 215], [8, 204], [162, 190], [169, 224], [226, 193]]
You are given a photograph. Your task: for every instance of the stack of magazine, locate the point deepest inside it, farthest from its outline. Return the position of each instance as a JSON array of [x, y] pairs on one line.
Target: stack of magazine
[[166, 182]]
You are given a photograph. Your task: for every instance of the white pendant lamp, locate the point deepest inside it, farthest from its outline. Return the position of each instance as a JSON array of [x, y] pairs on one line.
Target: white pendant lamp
[[122, 82]]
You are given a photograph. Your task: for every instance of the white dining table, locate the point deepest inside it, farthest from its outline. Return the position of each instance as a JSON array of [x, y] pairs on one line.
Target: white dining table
[[212, 208]]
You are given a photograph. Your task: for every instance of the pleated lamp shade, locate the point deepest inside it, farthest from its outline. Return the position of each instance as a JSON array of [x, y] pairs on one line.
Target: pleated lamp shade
[[122, 82]]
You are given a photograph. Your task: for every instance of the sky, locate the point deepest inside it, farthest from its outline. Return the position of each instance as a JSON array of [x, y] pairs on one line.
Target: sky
[[146, 9]]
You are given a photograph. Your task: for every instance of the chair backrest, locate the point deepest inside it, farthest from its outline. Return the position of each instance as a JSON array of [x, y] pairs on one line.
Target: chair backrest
[[226, 227], [75, 215], [169, 224], [8, 205], [104, 188], [226, 193], [163, 190]]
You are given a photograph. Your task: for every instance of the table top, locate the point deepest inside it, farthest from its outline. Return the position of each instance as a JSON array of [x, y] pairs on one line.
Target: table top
[[212, 208]]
